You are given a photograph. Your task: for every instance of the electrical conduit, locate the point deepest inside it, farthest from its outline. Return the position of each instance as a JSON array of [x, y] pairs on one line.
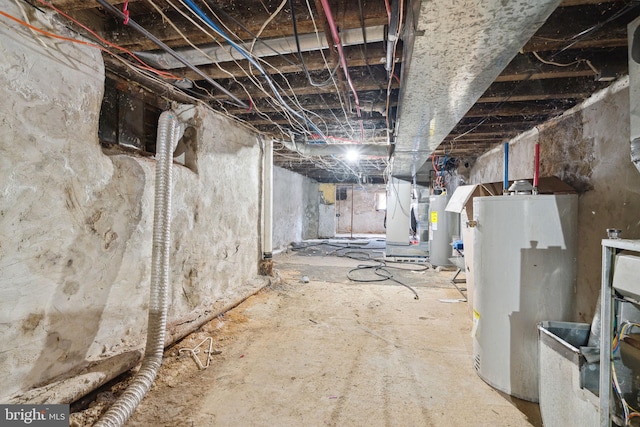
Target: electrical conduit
[[123, 408]]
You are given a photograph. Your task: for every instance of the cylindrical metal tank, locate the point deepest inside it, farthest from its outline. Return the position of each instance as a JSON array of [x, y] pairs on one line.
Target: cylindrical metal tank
[[524, 271], [442, 226]]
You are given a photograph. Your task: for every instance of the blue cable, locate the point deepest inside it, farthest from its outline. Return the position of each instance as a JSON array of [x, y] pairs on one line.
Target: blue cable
[[195, 9]]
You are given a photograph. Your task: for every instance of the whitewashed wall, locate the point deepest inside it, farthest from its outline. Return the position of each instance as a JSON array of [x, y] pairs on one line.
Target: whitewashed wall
[[75, 224]]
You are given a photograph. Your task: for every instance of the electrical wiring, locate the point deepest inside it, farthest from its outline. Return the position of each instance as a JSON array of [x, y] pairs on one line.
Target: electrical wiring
[[195, 9], [388, 8], [143, 64], [628, 411], [557, 64], [574, 39], [264, 25], [26, 19], [293, 99], [364, 39], [343, 60], [577, 37], [76, 41], [165, 18], [277, 103], [624, 328], [302, 62], [249, 74], [251, 77], [216, 12], [335, 84], [381, 268], [130, 22]]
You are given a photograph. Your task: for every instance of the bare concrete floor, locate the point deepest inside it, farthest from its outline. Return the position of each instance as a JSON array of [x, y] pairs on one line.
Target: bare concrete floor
[[333, 353]]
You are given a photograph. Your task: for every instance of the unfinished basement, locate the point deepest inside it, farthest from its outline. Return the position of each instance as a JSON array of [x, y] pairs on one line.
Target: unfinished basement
[[320, 213]]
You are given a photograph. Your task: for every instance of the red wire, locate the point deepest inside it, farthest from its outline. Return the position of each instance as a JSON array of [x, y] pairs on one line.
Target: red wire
[[343, 61], [108, 43], [125, 11], [388, 7]]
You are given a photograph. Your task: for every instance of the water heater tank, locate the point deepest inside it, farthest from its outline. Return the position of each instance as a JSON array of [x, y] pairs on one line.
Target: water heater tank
[[443, 226], [524, 267]]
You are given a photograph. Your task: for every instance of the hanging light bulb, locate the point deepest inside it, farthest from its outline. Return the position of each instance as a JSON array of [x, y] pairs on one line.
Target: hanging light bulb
[[352, 156]]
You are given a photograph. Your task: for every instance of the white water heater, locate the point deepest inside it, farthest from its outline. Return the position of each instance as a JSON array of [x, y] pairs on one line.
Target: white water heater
[[443, 225], [524, 273]]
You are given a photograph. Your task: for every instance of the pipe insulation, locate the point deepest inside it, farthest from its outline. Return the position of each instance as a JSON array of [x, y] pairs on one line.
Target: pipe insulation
[[123, 408]]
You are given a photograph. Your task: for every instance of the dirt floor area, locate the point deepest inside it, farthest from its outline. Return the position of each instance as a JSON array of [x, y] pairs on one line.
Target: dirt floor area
[[321, 350]]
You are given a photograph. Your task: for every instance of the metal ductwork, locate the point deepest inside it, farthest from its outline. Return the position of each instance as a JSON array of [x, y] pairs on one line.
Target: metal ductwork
[[270, 47], [453, 51], [634, 90]]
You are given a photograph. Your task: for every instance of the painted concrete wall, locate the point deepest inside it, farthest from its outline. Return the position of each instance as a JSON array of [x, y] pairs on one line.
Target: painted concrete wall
[[366, 219], [295, 208], [588, 148], [76, 225]]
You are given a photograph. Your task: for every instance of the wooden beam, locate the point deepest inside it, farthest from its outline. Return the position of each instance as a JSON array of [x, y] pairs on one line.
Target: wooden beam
[[70, 5], [568, 3], [566, 26], [280, 26], [578, 88], [301, 88], [508, 109]]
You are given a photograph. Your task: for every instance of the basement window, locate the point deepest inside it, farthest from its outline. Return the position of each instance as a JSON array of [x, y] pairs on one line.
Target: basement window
[[341, 193], [129, 124]]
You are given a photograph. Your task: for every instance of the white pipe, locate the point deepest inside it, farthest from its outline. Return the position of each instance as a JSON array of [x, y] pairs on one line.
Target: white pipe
[[373, 150], [267, 228], [123, 408], [272, 47]]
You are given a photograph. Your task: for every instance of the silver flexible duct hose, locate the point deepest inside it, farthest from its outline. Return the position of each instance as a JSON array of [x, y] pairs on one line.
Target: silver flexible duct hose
[[122, 409]]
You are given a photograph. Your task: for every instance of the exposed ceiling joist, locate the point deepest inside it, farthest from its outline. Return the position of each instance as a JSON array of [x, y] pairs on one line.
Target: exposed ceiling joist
[[588, 36]]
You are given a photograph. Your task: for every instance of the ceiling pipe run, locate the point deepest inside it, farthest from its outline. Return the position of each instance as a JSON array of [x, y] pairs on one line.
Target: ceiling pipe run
[[371, 150], [270, 47]]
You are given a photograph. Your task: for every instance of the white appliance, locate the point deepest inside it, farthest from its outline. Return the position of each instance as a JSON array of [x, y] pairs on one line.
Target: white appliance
[[398, 211], [443, 225], [525, 269]]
